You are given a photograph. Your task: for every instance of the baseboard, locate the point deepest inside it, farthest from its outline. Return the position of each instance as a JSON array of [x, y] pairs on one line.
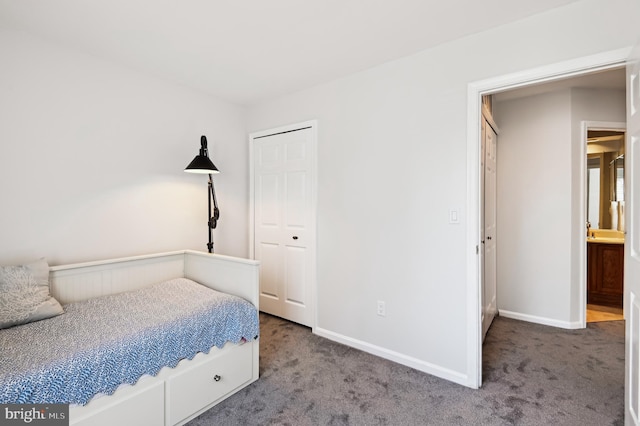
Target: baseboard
[[425, 367], [540, 320]]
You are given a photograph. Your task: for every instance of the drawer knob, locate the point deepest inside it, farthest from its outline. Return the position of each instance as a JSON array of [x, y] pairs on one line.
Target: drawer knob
[[216, 378]]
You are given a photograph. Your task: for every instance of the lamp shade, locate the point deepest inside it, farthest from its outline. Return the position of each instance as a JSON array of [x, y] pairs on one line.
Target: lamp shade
[[201, 163]]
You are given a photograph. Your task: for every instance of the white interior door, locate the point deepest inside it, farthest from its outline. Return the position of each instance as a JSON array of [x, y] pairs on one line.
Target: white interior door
[[489, 290], [632, 243], [284, 228]]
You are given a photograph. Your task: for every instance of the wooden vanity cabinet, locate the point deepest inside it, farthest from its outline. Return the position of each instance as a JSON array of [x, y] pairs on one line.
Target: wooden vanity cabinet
[[605, 271]]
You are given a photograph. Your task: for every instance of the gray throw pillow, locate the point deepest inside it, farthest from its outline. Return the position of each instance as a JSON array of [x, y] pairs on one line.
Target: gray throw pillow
[[24, 294]]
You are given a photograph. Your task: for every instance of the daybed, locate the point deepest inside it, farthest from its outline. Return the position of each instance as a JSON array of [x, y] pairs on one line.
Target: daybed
[[172, 394]]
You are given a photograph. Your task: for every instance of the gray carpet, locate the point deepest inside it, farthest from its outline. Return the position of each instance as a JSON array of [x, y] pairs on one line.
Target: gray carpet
[[533, 375]]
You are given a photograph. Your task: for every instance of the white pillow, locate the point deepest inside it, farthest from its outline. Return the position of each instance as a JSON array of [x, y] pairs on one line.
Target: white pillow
[[24, 294]]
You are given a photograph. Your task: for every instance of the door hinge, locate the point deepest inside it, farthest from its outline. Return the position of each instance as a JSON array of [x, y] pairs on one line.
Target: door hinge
[[477, 249]]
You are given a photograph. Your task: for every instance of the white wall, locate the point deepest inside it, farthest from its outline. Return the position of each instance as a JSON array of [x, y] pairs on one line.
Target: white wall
[[534, 206], [539, 203], [92, 158], [392, 162]]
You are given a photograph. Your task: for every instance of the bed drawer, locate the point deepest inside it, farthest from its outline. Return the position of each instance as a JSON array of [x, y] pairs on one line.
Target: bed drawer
[[140, 405], [207, 381]]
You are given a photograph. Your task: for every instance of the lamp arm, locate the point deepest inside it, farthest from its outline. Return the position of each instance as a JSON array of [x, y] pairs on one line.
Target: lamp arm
[[216, 211], [213, 219]]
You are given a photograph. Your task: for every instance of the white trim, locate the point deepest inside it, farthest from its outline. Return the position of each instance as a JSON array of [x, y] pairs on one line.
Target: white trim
[[585, 126], [151, 256], [474, 283], [426, 367], [475, 90], [540, 320], [313, 124]]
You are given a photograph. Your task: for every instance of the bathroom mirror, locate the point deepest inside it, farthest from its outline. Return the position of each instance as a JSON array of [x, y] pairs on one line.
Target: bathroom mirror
[[605, 177]]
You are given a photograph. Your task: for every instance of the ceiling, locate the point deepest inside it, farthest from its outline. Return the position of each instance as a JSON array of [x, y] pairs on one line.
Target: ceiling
[[248, 51]]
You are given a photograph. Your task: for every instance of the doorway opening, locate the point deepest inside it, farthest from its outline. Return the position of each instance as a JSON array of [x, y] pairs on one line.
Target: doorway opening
[[543, 146], [529, 79], [605, 220]]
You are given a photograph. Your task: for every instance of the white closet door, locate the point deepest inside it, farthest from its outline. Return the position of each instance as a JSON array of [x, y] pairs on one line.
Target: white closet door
[[284, 223]]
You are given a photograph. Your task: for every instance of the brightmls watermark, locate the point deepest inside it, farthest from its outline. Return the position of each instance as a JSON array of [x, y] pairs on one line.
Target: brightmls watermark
[[34, 414]]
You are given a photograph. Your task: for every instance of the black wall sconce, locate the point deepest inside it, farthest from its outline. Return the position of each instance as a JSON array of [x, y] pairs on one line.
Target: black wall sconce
[[202, 164]]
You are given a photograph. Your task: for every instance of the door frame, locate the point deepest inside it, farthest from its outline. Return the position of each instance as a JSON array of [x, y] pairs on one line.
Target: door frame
[[475, 91], [313, 125]]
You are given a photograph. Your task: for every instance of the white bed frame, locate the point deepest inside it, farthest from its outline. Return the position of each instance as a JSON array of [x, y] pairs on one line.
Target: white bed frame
[[175, 395]]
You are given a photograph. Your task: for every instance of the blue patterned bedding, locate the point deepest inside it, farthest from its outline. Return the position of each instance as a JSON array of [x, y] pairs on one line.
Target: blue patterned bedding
[[101, 343]]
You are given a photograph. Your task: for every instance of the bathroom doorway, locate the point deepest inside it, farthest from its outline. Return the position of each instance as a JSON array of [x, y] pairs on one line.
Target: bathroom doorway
[[605, 220]]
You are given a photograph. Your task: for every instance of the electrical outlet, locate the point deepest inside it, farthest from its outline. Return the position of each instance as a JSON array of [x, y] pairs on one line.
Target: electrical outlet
[[382, 310]]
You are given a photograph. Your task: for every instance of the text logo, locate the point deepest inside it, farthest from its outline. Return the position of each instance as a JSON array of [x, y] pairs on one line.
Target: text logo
[[34, 414]]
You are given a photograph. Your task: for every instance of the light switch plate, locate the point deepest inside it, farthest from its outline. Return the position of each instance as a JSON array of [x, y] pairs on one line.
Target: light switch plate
[[454, 216]]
